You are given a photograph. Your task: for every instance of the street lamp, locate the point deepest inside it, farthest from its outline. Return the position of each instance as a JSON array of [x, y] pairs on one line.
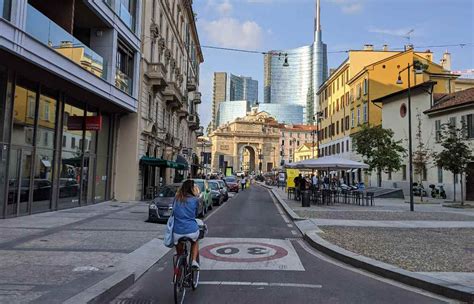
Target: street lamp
[[418, 67]]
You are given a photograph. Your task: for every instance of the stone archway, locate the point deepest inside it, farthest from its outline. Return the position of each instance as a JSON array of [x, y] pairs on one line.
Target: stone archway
[[247, 158]]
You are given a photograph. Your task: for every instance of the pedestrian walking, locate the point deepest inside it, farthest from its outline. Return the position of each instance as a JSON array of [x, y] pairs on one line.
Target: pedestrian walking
[[243, 181]]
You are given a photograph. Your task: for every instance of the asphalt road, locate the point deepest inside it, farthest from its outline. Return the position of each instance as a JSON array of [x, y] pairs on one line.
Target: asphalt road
[[254, 254]]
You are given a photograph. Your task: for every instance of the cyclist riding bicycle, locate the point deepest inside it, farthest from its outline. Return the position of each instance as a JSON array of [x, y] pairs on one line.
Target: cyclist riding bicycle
[[185, 212]]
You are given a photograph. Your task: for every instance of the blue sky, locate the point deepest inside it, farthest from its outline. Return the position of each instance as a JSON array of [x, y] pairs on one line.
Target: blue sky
[[346, 24]]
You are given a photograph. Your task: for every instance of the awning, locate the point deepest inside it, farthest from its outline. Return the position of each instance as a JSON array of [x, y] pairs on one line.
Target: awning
[[182, 163], [154, 162]]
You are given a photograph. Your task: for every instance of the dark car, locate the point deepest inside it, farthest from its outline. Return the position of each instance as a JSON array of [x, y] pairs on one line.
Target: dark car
[[224, 189], [216, 194], [232, 183], [160, 209]]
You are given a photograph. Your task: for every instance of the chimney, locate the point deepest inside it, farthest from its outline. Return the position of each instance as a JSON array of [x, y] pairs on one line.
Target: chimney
[[445, 62], [368, 47], [385, 48]]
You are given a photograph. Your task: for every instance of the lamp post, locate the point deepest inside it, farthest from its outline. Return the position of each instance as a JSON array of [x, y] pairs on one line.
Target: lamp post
[[418, 70], [260, 157]]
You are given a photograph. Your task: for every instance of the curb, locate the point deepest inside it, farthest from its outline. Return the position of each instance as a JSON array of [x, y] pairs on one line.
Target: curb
[[434, 285], [130, 269], [288, 210]]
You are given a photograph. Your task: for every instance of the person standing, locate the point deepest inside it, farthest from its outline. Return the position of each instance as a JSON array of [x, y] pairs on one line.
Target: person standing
[[314, 182], [297, 182], [243, 181]]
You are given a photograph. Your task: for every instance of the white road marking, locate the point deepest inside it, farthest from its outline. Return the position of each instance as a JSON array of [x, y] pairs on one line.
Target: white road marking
[[290, 225], [294, 232], [316, 254], [267, 284]]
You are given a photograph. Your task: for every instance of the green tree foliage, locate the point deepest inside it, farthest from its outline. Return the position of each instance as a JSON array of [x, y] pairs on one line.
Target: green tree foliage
[[456, 154], [378, 149]]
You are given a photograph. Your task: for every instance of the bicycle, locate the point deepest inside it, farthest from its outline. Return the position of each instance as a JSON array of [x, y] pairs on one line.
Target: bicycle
[[184, 276]]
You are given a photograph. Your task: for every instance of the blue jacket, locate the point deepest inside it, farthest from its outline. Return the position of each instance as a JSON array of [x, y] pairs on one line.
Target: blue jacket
[[185, 215]]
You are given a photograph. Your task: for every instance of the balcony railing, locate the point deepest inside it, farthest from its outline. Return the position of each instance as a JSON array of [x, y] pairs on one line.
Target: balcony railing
[[46, 31]]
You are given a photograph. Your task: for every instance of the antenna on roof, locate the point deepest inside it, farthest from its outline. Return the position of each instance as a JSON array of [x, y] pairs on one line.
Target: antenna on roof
[[407, 36]]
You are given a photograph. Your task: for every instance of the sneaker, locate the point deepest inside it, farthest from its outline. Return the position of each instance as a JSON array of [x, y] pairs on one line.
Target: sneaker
[[195, 265]]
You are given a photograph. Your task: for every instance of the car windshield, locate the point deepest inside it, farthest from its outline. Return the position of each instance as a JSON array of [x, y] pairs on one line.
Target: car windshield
[[168, 192], [213, 186], [231, 179], [221, 183], [200, 184]]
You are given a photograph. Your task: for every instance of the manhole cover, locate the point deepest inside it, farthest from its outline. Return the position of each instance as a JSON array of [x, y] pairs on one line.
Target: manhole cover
[[134, 301]]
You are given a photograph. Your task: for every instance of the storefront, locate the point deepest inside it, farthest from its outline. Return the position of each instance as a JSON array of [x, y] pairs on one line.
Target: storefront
[[55, 147]]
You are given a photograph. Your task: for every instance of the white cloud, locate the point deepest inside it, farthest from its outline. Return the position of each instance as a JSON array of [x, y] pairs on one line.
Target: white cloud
[[349, 6], [392, 32], [224, 8], [230, 32]]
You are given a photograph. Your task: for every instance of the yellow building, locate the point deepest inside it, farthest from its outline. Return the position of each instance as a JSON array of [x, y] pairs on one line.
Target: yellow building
[[345, 98], [306, 151]]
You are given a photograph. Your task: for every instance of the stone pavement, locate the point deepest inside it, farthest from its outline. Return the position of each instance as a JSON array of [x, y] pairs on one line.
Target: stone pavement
[[50, 257], [434, 240]]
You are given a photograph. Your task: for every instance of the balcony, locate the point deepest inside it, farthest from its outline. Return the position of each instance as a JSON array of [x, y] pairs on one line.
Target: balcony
[[193, 122], [183, 112], [173, 96], [200, 132], [156, 74], [191, 85], [197, 98], [49, 33]]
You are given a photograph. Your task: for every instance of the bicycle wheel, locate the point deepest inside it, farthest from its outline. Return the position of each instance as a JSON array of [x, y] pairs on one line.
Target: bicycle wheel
[[179, 277], [195, 276]]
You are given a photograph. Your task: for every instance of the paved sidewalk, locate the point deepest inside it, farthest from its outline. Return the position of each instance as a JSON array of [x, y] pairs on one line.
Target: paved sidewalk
[[434, 240], [50, 257]]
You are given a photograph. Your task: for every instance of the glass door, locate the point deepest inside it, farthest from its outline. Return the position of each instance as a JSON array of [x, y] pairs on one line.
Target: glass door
[[19, 182], [88, 179]]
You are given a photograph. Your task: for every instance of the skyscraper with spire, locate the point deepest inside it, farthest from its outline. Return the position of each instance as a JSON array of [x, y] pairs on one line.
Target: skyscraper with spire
[[288, 87]]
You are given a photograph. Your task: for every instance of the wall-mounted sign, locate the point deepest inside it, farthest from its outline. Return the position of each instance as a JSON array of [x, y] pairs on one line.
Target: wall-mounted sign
[[76, 123], [225, 147]]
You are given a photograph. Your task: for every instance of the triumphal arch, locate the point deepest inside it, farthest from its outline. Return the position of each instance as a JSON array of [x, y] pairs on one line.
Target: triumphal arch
[[248, 144]]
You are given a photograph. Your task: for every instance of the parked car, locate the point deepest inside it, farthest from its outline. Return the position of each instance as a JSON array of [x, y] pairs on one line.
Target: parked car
[[205, 193], [224, 189], [216, 193], [68, 187], [232, 183], [160, 208]]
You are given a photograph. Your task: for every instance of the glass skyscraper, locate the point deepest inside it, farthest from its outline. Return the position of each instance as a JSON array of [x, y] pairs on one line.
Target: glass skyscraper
[[284, 113], [297, 82], [230, 110]]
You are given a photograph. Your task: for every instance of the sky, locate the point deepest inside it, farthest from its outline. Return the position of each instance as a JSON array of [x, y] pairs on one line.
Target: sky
[[264, 25]]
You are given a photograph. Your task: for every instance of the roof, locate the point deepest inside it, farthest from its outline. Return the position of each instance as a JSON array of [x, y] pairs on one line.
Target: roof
[[296, 128], [309, 145], [444, 102], [425, 85]]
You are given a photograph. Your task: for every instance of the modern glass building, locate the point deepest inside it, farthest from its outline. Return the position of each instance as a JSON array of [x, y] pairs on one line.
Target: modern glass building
[[286, 113], [296, 83], [230, 110]]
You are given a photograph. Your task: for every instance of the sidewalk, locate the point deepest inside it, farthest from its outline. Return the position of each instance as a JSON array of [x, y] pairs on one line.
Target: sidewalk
[[51, 257], [434, 241]]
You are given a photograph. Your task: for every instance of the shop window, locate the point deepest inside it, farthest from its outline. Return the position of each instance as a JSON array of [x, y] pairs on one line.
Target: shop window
[[73, 143]]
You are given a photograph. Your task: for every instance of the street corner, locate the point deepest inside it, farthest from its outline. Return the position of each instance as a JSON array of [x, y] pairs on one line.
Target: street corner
[[249, 254]]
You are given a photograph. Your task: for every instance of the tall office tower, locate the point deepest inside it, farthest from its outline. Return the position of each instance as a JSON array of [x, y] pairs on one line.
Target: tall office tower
[[229, 87], [296, 83]]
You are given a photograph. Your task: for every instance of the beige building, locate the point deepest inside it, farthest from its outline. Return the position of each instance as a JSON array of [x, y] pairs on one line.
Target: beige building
[[250, 143], [431, 111], [306, 151], [463, 84], [292, 137], [161, 137]]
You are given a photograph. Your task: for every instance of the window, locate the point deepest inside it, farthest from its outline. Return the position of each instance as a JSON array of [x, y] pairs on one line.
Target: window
[[342, 101], [46, 106], [347, 122], [150, 106], [424, 173], [338, 148], [389, 175], [438, 130], [352, 118], [440, 175], [73, 143], [364, 110], [31, 106], [124, 68], [358, 115], [351, 96], [404, 172], [337, 127], [156, 112], [64, 141], [46, 139], [358, 91], [338, 83], [282, 142], [365, 87], [468, 123], [80, 143], [5, 6], [347, 145], [452, 121], [337, 104], [347, 98], [342, 147]]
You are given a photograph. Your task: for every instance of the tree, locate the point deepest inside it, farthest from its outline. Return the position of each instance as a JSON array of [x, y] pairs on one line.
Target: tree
[[421, 155], [378, 149], [456, 154]]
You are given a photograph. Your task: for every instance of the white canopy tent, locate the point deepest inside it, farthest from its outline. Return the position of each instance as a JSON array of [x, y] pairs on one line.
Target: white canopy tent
[[328, 162]]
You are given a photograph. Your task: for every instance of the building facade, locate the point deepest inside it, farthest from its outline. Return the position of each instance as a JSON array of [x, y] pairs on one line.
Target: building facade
[[293, 76], [429, 112], [229, 87], [306, 151], [67, 83], [287, 114], [247, 144], [346, 97], [293, 137], [161, 144], [231, 110]]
